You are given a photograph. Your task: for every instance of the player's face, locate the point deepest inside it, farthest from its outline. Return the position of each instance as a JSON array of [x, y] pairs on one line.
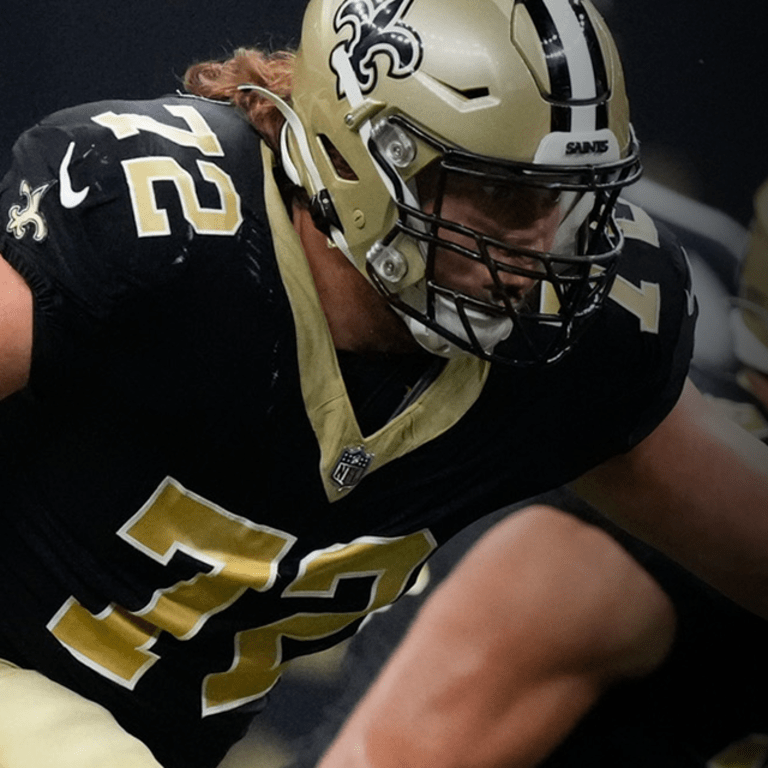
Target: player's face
[[518, 218]]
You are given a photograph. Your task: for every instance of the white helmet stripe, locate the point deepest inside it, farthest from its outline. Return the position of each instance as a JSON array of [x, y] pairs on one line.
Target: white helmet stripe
[[575, 49], [576, 66]]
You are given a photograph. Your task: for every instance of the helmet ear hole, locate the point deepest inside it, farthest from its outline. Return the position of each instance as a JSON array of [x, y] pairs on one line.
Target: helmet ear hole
[[342, 168]]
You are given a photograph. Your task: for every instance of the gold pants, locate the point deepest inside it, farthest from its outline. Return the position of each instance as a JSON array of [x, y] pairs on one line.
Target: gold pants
[[44, 725]]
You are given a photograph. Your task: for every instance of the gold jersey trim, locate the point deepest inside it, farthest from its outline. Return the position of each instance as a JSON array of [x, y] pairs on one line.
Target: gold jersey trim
[[327, 405]]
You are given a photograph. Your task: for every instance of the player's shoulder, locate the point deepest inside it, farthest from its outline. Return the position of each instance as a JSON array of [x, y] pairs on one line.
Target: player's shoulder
[[152, 123], [103, 136], [653, 284], [131, 193], [651, 249]]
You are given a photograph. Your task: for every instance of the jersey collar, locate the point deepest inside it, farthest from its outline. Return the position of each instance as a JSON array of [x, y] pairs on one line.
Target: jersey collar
[[329, 410]]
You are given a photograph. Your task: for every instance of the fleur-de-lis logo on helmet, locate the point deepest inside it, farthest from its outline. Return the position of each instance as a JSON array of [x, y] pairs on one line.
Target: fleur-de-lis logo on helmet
[[378, 29]]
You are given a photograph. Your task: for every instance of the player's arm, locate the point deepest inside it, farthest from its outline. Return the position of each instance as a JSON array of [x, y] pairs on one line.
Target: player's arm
[[697, 489], [15, 330], [510, 651]]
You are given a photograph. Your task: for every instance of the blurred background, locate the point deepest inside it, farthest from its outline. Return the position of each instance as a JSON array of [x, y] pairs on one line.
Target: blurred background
[[697, 78]]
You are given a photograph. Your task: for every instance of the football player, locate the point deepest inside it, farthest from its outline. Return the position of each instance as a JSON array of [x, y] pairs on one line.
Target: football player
[[742, 389], [257, 370]]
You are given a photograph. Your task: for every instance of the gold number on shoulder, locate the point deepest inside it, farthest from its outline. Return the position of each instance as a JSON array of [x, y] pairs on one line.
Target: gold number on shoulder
[[199, 135], [638, 225], [144, 172], [643, 302]]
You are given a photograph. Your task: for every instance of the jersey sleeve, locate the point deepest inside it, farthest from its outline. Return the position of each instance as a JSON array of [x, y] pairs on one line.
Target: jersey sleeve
[[654, 290], [104, 205], [626, 373]]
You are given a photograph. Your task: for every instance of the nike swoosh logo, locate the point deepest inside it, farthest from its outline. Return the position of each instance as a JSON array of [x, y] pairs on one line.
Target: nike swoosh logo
[[68, 197]]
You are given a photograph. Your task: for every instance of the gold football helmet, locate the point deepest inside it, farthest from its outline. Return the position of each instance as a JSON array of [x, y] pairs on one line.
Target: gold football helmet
[[396, 101], [750, 320]]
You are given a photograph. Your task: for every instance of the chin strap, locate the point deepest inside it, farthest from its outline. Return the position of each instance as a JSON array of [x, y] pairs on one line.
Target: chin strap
[[285, 157]]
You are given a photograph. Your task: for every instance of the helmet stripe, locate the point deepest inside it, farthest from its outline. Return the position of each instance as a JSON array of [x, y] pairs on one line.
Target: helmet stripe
[[602, 91], [577, 71]]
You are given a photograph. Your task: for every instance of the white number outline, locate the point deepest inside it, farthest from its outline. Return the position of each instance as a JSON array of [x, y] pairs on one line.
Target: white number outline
[[117, 643], [143, 173]]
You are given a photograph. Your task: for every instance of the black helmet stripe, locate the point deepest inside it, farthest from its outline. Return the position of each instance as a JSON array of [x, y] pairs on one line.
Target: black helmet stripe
[[577, 70]]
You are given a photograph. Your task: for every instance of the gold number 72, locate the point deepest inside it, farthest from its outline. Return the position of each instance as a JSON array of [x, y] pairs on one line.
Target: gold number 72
[[241, 555], [143, 173]]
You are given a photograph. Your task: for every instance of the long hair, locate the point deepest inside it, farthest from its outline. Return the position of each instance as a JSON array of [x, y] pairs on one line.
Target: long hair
[[220, 80]]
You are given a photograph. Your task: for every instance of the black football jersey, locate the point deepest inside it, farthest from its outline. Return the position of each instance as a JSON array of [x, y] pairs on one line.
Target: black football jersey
[[188, 497]]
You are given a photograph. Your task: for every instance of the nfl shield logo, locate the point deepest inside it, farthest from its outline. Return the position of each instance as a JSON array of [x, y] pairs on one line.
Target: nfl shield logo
[[351, 467]]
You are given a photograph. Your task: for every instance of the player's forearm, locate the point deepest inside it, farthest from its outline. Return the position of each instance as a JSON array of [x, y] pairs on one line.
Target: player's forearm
[[15, 330], [480, 681], [407, 717], [412, 720], [697, 489], [380, 744]]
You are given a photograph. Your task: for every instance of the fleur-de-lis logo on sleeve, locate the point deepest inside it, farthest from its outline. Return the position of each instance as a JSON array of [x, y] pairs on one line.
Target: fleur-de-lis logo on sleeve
[[23, 217], [378, 29]]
